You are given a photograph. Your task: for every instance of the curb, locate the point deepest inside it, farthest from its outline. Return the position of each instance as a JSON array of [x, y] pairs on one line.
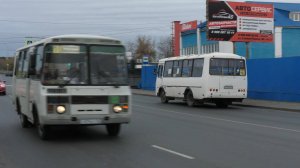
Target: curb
[[241, 105]]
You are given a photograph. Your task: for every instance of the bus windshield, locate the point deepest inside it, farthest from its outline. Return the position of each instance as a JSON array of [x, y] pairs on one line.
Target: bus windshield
[[227, 67], [69, 65]]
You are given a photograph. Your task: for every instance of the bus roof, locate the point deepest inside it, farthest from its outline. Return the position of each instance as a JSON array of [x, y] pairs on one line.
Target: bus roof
[[211, 55], [77, 38]]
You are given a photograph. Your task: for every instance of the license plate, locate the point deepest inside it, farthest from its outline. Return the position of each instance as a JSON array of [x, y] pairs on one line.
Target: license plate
[[228, 87], [91, 121]]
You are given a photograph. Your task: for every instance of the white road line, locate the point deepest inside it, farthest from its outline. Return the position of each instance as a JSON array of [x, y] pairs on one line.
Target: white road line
[[8, 85], [173, 152], [226, 120]]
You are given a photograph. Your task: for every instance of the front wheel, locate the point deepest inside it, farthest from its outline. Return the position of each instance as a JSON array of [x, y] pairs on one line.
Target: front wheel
[[43, 131], [113, 129], [24, 120], [163, 97]]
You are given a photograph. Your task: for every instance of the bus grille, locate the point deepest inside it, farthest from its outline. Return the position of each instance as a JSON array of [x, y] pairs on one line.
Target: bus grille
[[89, 100]]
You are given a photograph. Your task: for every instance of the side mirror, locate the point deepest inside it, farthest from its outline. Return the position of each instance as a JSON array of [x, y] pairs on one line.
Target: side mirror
[[155, 71]]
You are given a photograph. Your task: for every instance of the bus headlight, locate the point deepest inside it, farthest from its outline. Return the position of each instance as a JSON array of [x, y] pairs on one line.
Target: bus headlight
[[60, 109], [117, 109]]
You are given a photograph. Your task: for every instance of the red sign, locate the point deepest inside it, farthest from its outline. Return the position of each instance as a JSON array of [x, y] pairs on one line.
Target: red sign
[[240, 21], [189, 26]]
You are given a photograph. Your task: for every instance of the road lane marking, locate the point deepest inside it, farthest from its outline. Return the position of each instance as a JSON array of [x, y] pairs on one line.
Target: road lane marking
[[8, 85], [226, 120], [173, 152]]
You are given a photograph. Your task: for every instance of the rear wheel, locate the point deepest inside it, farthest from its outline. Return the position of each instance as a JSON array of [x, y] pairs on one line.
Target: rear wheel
[[113, 129], [190, 101], [4, 93], [163, 97]]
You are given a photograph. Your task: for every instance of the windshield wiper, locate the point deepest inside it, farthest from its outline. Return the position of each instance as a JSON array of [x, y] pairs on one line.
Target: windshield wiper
[[73, 76]]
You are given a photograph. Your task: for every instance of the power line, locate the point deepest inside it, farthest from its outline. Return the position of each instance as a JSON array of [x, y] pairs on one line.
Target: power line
[[72, 23]]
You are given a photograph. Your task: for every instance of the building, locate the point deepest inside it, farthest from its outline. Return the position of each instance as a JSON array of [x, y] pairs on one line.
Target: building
[[286, 38], [273, 68]]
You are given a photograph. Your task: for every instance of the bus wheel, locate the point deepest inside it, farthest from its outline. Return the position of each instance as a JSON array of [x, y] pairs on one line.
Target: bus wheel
[[24, 120], [221, 104], [113, 129], [163, 97], [43, 130], [190, 99]]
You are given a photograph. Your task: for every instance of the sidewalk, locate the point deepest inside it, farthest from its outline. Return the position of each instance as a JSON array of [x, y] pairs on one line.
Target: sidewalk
[[286, 106]]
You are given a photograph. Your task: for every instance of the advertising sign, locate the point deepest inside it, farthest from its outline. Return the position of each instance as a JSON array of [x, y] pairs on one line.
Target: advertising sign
[[240, 21], [189, 26]]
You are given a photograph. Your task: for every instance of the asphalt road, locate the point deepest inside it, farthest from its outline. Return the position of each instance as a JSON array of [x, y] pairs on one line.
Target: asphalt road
[[160, 135]]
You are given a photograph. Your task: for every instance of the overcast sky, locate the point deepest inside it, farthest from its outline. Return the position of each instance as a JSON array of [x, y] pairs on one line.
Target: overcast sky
[[123, 19]]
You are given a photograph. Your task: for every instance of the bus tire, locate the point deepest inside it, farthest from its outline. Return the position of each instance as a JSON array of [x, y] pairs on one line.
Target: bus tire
[[43, 130], [163, 97], [190, 101], [113, 129], [24, 120], [222, 104]]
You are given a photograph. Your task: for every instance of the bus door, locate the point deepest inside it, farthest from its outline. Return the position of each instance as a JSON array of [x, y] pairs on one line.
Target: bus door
[[159, 78], [23, 84]]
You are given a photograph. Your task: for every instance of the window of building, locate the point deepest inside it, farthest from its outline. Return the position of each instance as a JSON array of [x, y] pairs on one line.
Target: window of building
[[295, 16], [168, 69]]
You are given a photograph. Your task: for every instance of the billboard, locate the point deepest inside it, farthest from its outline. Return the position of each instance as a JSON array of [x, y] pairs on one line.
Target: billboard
[[189, 26], [240, 21]]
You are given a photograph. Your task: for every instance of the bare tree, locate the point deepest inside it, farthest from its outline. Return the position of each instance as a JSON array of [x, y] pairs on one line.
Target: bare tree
[[145, 46], [164, 47]]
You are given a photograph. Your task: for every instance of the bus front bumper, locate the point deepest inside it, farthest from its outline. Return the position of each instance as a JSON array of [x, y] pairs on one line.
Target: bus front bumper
[[84, 120]]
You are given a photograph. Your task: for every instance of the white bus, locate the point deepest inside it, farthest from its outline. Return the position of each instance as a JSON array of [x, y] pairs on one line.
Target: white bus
[[72, 80], [218, 78]]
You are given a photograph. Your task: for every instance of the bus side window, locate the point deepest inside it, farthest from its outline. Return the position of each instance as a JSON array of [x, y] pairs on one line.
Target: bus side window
[[185, 69], [168, 69], [198, 67], [39, 61], [20, 64], [160, 70], [25, 64]]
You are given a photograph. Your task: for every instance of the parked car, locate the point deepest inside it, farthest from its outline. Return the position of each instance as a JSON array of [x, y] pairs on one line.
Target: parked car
[[2, 87], [9, 74]]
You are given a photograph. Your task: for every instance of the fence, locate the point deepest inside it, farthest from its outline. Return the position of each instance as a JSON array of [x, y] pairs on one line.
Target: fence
[[274, 79]]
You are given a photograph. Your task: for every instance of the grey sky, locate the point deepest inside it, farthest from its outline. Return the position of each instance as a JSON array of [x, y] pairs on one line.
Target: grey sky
[[123, 19]]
